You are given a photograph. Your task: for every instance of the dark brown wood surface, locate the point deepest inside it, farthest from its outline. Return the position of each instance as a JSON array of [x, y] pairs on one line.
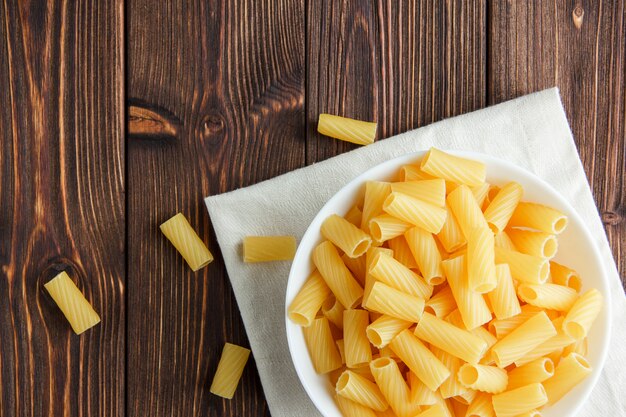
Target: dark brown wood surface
[[220, 95]]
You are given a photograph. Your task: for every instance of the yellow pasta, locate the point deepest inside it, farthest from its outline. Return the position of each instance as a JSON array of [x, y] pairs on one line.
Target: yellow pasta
[[581, 316], [309, 300], [401, 252], [350, 408], [187, 242], [480, 193], [346, 236], [578, 346], [341, 347], [504, 302], [369, 278], [570, 371], [376, 193], [458, 342], [481, 406], [268, 248], [502, 327], [453, 168], [322, 348], [336, 274], [391, 272], [421, 361], [361, 390], [385, 328], [424, 249], [534, 243], [483, 378], [467, 397], [450, 387], [417, 212], [481, 266], [536, 371], [385, 227], [524, 268], [472, 306], [333, 310], [420, 394], [523, 339], [430, 191], [563, 275], [466, 211], [393, 387], [451, 236], [519, 400], [357, 266], [437, 410], [539, 217], [459, 409], [72, 303], [502, 240], [389, 301], [412, 173], [455, 319], [550, 296], [354, 216], [229, 370], [349, 130], [502, 206], [356, 345], [442, 303]]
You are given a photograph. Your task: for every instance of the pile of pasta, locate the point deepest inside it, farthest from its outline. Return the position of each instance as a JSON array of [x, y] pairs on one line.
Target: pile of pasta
[[436, 295]]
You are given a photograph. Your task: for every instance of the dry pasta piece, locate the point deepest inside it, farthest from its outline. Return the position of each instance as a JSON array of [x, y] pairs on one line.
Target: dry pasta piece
[[570, 371], [431, 191], [309, 300], [186, 241], [451, 387], [420, 394], [455, 319], [442, 303], [467, 397], [523, 339], [581, 316], [229, 370], [393, 387], [534, 243], [458, 342], [385, 328], [502, 206], [369, 278], [480, 193], [578, 346], [354, 216], [421, 361], [459, 409], [466, 211], [453, 168], [322, 348], [357, 347], [346, 236], [413, 173], [376, 193], [388, 270], [361, 390], [481, 406], [472, 306], [563, 275], [401, 252], [417, 212], [350, 408], [424, 249], [504, 302], [349, 130], [72, 303], [481, 265], [519, 400], [341, 347], [337, 276], [549, 296], [502, 240], [502, 327], [385, 227], [524, 268], [357, 266], [539, 217], [388, 300], [483, 378], [333, 310], [437, 410], [536, 371], [268, 248], [451, 236]]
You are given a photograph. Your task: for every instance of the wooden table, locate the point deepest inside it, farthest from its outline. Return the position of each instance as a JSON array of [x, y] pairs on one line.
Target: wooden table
[[115, 115]]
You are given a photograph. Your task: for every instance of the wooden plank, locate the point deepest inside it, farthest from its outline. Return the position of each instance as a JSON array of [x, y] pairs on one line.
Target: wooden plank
[[61, 205], [580, 46], [403, 64], [218, 91]]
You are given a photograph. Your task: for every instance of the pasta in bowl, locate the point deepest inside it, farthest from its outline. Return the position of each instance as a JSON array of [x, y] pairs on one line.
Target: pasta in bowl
[[447, 282]]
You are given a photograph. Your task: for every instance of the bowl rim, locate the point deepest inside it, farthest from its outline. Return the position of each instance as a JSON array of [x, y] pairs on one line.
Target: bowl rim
[[352, 186]]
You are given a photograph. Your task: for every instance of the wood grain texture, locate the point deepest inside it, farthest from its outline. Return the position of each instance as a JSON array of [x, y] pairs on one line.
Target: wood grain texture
[[579, 46], [61, 205], [232, 74], [402, 64]]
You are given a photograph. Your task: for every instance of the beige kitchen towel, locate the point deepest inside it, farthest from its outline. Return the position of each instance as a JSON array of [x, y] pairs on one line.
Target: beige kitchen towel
[[530, 131]]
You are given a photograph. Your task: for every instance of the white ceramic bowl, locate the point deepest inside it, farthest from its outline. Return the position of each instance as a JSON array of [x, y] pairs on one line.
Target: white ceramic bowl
[[576, 250]]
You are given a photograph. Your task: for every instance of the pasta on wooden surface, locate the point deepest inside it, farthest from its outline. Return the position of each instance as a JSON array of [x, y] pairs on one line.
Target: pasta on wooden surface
[[187, 242], [350, 239], [376, 193], [430, 191], [519, 400], [72, 303], [417, 212], [349, 130], [268, 248], [356, 345], [453, 168], [337, 276], [229, 370], [466, 210], [361, 390], [425, 252], [322, 347], [539, 217], [583, 313], [309, 300], [502, 206]]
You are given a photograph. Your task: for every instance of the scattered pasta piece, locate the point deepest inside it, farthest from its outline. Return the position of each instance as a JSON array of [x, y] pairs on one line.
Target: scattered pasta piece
[[349, 130], [178, 231], [229, 370], [72, 303]]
